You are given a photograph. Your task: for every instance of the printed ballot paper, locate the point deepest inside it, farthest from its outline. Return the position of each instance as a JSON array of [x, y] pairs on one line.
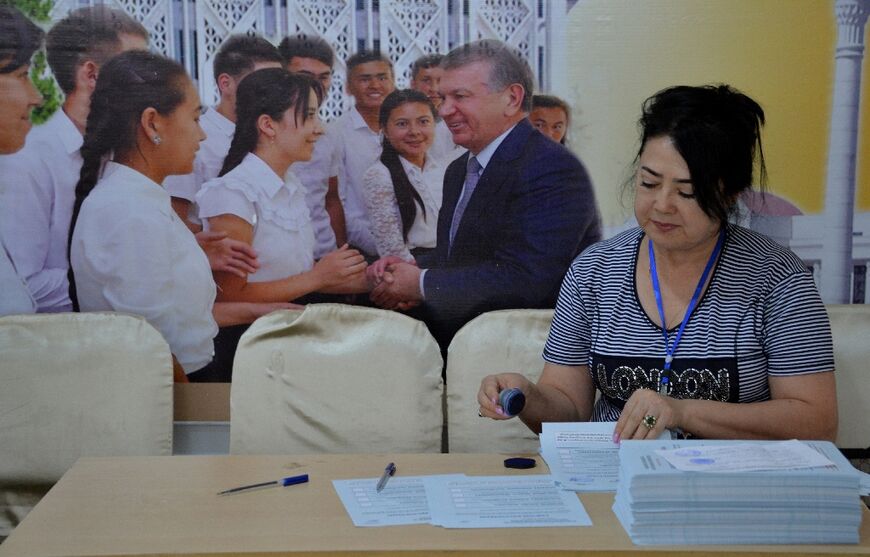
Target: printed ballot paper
[[459, 501], [582, 455], [402, 501], [745, 457], [502, 502]]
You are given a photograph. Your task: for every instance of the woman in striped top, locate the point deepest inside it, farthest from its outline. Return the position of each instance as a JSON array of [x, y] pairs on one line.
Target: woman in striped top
[[676, 321]]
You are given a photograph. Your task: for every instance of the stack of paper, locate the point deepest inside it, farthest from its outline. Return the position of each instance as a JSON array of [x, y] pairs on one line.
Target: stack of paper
[[737, 492]]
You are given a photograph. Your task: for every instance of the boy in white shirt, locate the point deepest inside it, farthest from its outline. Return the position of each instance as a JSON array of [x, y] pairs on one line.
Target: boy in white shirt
[[355, 139], [36, 205]]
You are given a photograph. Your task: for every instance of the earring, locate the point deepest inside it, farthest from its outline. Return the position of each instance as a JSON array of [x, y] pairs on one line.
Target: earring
[[156, 139]]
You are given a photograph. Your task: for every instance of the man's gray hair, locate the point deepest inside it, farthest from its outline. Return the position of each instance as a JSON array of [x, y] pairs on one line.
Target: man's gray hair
[[507, 66]]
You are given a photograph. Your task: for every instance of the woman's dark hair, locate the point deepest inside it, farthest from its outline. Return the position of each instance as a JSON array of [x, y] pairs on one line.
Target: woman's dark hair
[[128, 84], [406, 194], [550, 101], [269, 91], [19, 39], [717, 131]]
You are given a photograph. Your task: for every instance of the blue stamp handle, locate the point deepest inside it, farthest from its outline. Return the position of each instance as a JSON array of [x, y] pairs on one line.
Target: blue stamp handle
[[512, 401]]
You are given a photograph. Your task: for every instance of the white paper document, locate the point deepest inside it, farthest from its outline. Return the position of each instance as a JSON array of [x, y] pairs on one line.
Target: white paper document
[[582, 455], [402, 501], [502, 502], [745, 457]]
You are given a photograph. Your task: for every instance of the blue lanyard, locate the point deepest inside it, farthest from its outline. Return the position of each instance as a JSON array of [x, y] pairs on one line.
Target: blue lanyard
[[665, 385]]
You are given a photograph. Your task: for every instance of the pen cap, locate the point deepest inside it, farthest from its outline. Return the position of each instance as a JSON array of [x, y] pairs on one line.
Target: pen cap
[[512, 401]]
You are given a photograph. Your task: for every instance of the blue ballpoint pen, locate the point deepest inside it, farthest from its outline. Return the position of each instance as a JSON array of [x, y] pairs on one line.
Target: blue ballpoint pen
[[388, 473], [290, 480]]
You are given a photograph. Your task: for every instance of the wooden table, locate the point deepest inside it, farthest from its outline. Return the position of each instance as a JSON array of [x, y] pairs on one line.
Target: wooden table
[[168, 506]]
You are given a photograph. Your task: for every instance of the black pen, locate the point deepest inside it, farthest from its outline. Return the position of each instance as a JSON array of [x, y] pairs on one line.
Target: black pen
[[291, 480], [385, 477]]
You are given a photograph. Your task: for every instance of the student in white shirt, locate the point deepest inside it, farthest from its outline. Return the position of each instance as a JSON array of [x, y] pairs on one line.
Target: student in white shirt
[[277, 125], [37, 207], [355, 140], [312, 56], [19, 39], [403, 189], [129, 251], [237, 57]]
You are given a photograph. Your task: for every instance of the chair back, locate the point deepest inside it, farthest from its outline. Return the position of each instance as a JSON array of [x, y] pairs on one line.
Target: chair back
[[336, 379], [498, 341], [850, 327], [72, 385]]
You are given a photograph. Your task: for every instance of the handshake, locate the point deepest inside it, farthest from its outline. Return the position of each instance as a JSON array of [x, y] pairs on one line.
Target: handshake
[[394, 283]]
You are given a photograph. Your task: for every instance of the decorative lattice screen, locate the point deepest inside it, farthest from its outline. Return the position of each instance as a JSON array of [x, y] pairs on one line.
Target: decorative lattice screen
[[191, 31]]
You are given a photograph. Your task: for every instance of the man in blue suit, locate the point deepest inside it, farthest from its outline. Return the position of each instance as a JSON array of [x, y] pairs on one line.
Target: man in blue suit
[[517, 208]]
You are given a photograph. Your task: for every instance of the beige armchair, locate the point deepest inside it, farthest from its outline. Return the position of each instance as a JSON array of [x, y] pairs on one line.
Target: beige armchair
[[72, 385], [506, 340], [850, 326], [336, 378]]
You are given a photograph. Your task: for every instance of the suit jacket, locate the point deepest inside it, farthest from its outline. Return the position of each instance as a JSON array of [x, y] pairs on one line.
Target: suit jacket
[[531, 214]]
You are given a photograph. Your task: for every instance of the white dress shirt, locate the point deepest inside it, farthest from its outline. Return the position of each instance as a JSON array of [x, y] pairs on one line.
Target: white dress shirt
[[357, 148], [386, 221], [14, 296], [283, 238], [314, 176], [209, 160], [36, 208], [131, 253]]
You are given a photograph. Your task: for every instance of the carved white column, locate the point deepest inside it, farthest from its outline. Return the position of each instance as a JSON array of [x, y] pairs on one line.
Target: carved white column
[[842, 151], [554, 75]]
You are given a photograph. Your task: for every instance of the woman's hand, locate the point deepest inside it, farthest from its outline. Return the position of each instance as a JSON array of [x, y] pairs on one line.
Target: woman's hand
[[375, 271], [492, 385], [228, 255], [647, 408], [338, 267]]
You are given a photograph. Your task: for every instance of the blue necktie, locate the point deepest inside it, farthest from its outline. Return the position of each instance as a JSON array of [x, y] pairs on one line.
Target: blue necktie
[[472, 175]]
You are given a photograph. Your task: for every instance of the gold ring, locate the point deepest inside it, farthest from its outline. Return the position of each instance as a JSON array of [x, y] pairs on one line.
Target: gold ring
[[649, 421]]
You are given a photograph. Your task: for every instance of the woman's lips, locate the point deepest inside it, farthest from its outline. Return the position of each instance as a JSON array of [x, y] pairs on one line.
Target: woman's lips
[[664, 226]]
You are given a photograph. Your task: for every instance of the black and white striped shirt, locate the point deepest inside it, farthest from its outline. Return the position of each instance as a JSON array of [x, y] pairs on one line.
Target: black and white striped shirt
[[761, 315]]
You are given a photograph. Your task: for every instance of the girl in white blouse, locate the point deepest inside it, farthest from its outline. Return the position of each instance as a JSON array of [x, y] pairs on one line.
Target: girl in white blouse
[[403, 189], [18, 96], [276, 125], [129, 251]]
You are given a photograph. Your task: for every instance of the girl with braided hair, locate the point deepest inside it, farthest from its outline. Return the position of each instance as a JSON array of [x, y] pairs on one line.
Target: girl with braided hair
[[403, 189], [129, 251]]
